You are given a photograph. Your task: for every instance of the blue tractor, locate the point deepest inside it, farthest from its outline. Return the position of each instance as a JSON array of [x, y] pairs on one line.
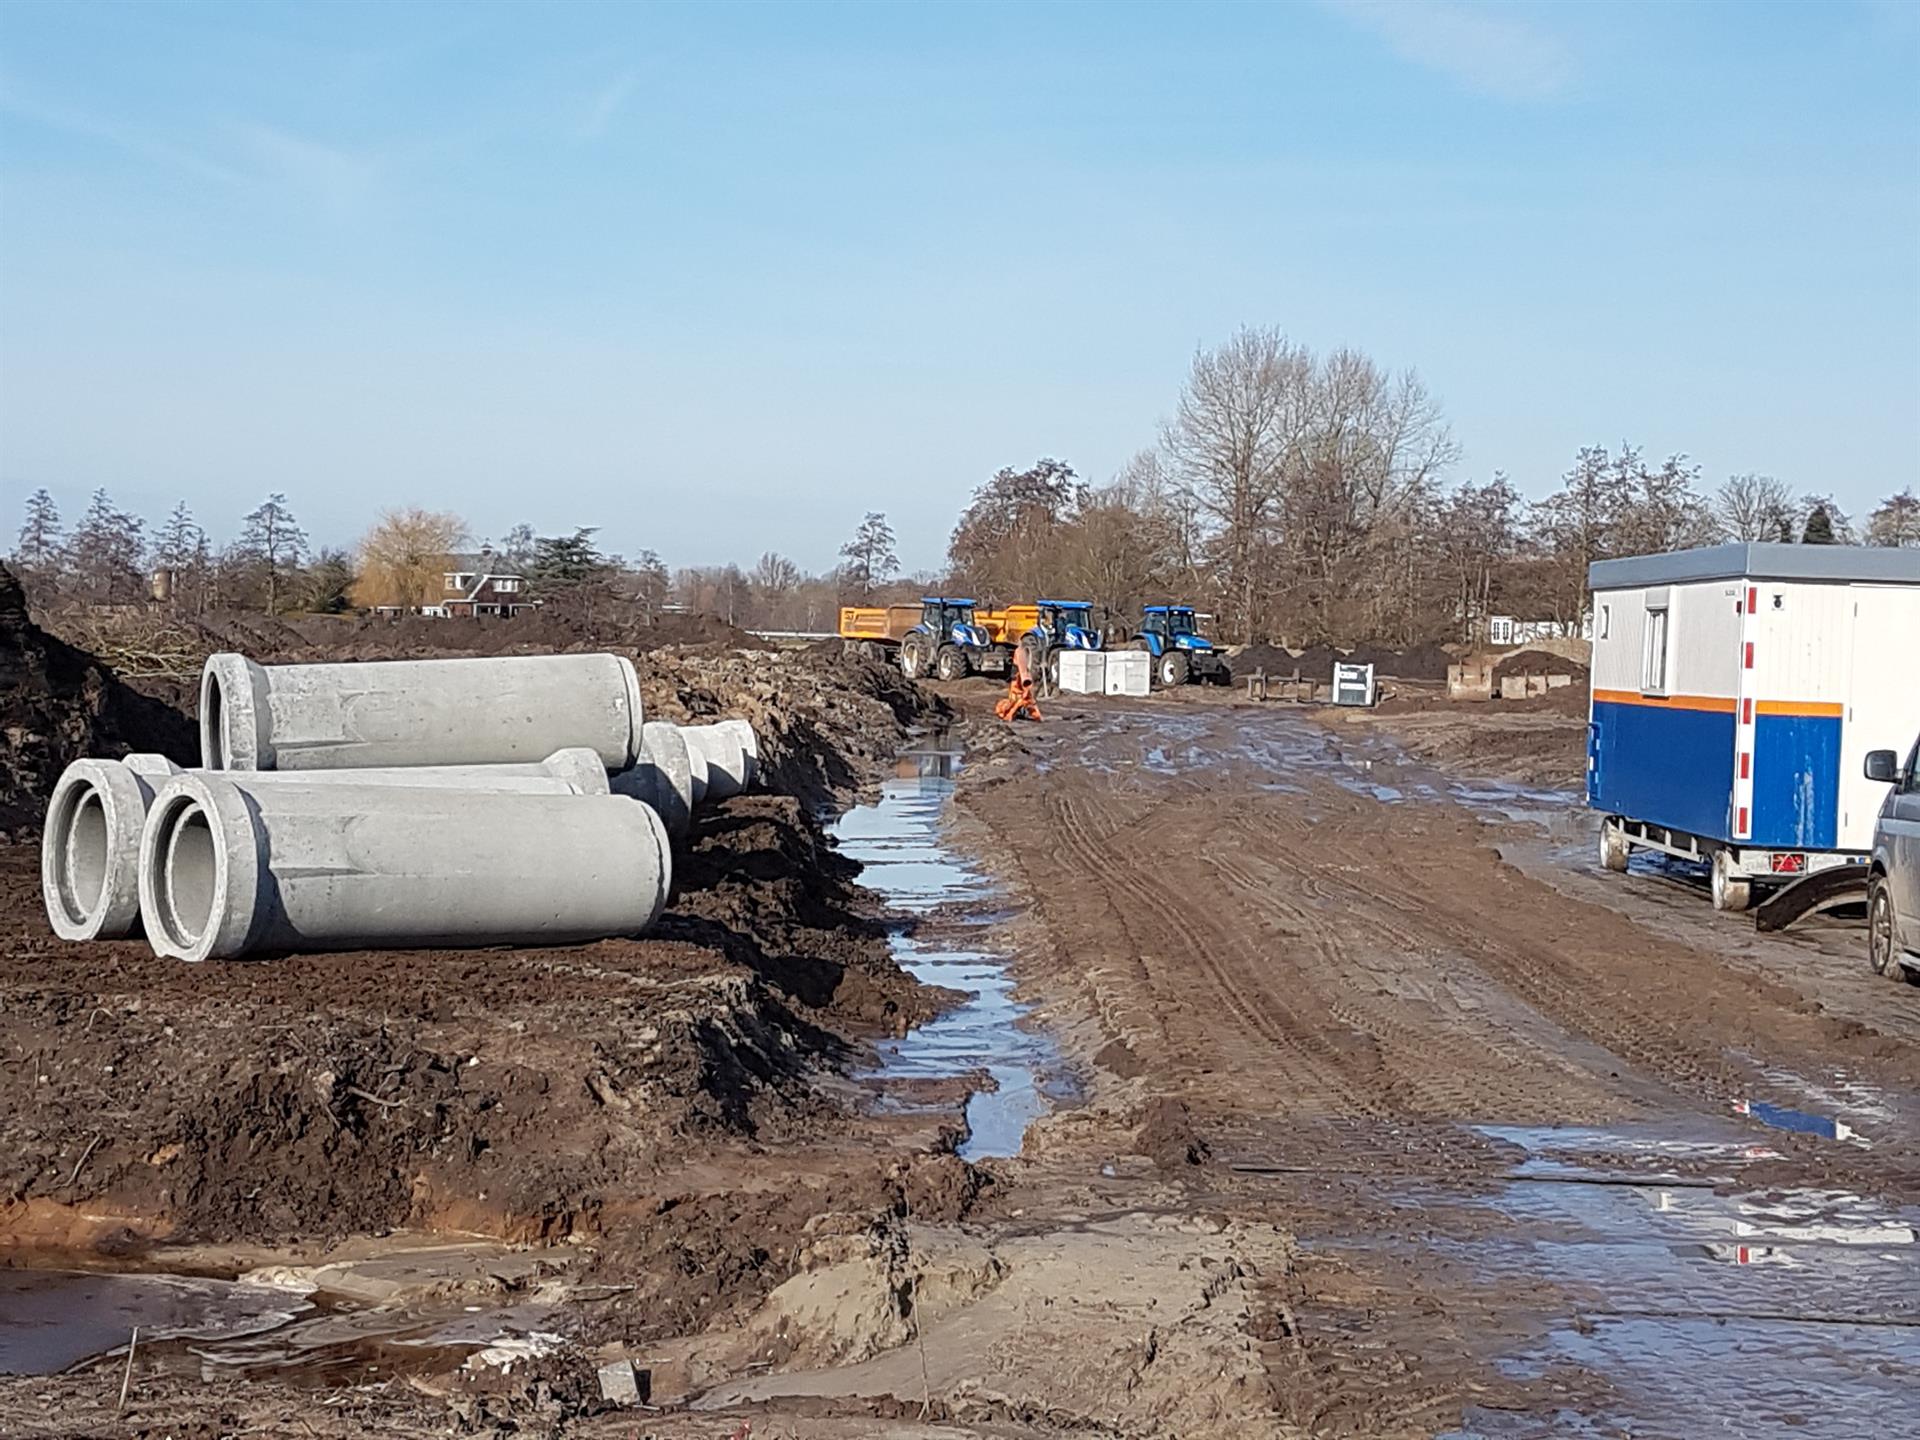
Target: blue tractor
[[1180, 652], [949, 643], [1061, 625]]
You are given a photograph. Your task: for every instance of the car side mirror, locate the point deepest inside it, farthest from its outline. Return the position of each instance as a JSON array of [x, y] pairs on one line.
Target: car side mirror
[[1883, 766]]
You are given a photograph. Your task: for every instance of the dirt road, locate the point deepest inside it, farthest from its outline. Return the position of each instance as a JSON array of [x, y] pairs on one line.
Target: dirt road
[[1376, 1110], [1499, 1109]]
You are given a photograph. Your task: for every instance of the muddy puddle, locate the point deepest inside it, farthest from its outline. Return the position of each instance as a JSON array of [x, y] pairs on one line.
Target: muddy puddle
[[904, 859], [1696, 1306]]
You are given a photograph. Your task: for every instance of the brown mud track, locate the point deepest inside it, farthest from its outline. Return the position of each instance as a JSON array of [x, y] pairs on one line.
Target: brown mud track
[[1374, 1026], [1395, 1119]]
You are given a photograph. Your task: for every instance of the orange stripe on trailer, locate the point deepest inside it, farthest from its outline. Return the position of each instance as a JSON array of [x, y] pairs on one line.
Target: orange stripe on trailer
[[1724, 705], [1824, 709]]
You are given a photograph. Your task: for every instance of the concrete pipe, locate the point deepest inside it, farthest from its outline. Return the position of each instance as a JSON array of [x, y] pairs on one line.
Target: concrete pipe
[[230, 868], [663, 778], [90, 848], [731, 753], [483, 711]]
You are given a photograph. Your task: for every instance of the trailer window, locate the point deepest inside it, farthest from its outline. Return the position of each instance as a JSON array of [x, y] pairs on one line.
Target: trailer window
[[1653, 671], [1606, 621]]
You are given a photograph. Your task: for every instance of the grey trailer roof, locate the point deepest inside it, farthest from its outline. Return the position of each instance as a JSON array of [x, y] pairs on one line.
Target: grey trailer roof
[[1871, 564]]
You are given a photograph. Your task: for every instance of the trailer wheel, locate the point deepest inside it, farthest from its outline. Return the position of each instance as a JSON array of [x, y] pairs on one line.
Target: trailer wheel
[[1613, 847], [1730, 892], [1172, 669], [1882, 954], [951, 663]]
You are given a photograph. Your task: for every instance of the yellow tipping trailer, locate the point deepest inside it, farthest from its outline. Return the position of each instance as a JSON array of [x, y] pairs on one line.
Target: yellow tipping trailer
[[881, 624]]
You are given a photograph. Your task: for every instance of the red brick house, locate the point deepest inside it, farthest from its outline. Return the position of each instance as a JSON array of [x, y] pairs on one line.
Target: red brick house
[[480, 591]]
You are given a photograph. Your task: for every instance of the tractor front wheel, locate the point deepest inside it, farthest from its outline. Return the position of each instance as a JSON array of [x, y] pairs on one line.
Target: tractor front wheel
[[951, 663], [1172, 669]]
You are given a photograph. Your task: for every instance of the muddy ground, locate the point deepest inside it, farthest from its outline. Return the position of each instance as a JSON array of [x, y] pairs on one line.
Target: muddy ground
[[1390, 1116]]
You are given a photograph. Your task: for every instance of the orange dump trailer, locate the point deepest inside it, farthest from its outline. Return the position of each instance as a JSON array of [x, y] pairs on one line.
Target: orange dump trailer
[[882, 624]]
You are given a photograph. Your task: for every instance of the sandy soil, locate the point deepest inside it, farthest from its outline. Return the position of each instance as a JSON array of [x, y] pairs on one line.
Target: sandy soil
[[1396, 1119]]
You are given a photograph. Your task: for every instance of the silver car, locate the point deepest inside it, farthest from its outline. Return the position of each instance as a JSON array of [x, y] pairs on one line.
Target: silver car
[[1893, 887]]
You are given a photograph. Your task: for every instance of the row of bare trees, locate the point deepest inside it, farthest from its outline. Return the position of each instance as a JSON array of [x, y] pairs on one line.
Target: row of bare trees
[[1305, 498]]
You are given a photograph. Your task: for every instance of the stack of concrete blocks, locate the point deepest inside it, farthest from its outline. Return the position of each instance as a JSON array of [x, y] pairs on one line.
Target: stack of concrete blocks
[[1083, 672], [1129, 672], [489, 801], [1525, 687]]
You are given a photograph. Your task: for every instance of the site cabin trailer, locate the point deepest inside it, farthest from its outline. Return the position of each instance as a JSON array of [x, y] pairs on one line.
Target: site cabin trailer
[[1736, 693]]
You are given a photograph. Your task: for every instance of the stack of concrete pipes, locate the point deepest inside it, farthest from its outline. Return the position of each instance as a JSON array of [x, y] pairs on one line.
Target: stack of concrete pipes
[[493, 801]]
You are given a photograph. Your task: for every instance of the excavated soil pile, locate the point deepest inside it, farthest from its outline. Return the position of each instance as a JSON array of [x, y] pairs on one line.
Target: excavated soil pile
[[1539, 662], [1420, 662], [1274, 659], [510, 1092], [56, 705]]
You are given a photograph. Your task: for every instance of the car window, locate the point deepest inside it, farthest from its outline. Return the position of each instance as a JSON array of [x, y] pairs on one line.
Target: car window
[[1910, 777]]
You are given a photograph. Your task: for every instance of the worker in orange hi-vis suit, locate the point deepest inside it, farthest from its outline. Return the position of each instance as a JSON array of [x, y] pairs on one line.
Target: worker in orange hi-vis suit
[[1019, 699]]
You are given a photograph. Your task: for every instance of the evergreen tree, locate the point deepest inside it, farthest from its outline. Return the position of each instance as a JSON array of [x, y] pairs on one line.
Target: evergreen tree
[[1819, 529], [39, 550]]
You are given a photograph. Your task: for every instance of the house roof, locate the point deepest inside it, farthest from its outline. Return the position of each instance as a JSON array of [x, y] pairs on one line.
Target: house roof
[[1871, 564]]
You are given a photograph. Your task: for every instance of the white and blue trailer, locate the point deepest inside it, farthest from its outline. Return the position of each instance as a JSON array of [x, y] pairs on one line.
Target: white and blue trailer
[[1736, 692]]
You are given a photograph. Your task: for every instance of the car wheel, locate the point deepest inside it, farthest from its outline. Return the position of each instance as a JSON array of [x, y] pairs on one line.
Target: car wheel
[[1730, 892], [951, 663], [1882, 954], [1613, 847]]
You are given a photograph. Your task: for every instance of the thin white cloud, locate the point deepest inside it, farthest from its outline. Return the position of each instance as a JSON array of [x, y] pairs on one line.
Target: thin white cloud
[[133, 140], [334, 179], [602, 108], [1494, 52]]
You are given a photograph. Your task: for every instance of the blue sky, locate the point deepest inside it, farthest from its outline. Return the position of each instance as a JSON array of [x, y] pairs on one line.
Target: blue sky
[[719, 279]]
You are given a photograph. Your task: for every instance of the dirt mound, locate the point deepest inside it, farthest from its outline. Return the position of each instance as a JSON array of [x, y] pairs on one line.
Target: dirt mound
[[1274, 659], [1538, 662], [57, 705], [1420, 662]]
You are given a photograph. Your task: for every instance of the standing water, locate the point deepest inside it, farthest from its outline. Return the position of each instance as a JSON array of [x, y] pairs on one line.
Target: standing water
[[897, 842]]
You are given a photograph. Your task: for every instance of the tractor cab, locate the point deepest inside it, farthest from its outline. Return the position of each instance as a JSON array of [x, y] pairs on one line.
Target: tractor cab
[[948, 620], [1180, 652], [1172, 626], [1068, 624]]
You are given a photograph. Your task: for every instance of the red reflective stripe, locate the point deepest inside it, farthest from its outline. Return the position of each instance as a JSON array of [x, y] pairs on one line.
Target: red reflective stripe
[[1741, 828], [1753, 598], [1746, 765], [1746, 712], [1749, 654]]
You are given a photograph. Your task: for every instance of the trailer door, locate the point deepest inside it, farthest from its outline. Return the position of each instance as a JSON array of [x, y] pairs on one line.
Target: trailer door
[[1883, 703]]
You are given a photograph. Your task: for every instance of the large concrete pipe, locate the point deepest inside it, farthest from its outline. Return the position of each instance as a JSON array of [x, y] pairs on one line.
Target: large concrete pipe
[[731, 753], [663, 778], [481, 711], [90, 846], [229, 868]]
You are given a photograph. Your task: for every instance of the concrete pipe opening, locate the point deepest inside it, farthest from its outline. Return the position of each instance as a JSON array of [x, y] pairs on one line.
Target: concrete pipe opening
[[213, 720], [89, 851], [200, 869], [192, 874]]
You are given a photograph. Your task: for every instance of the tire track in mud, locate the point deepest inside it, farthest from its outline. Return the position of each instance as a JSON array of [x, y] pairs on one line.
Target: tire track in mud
[[1343, 987]]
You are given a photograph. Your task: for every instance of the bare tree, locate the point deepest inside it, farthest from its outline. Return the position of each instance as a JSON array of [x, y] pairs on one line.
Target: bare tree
[[271, 545], [105, 553], [1754, 507], [869, 555], [1474, 533], [1241, 422], [404, 558], [1896, 522], [1663, 511]]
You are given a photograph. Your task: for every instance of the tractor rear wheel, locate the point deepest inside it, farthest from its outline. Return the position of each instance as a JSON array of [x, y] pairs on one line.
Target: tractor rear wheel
[[951, 663], [1171, 669]]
